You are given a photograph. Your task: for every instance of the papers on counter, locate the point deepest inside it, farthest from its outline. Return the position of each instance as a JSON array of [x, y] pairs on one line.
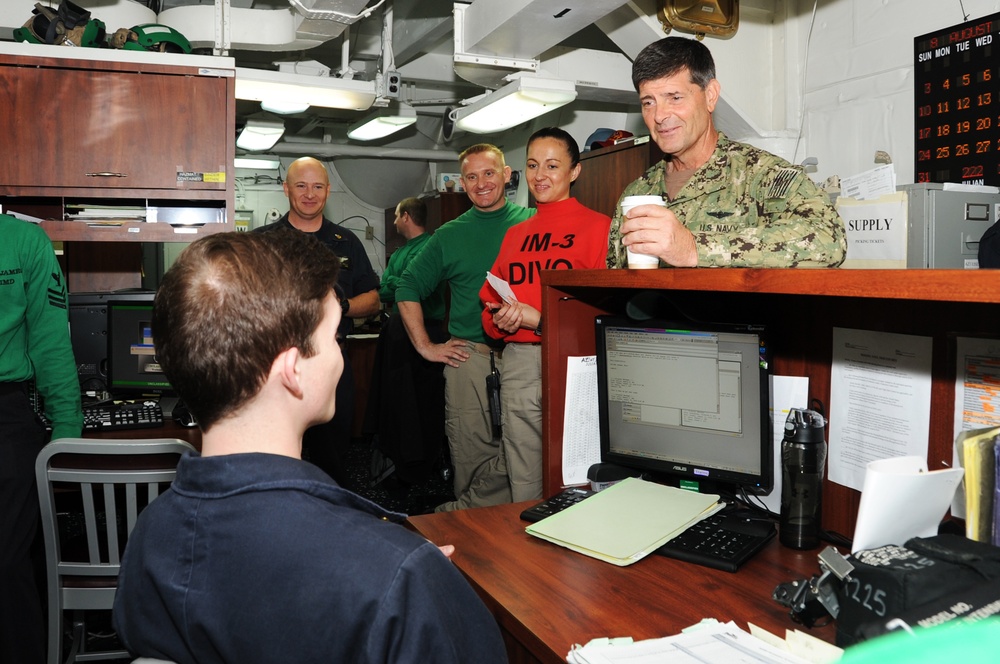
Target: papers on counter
[[709, 642]]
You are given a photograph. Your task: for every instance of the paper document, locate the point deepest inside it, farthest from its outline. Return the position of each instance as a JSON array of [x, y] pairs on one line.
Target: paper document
[[902, 499], [501, 287], [880, 400], [627, 521], [871, 184], [876, 231], [713, 643], [581, 443]]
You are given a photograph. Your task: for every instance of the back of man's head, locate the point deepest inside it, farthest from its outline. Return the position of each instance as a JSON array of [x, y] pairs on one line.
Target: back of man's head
[[416, 208], [670, 55], [229, 305]]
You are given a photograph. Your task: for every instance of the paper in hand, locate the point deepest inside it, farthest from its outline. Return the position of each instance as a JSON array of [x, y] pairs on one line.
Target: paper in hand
[[501, 287]]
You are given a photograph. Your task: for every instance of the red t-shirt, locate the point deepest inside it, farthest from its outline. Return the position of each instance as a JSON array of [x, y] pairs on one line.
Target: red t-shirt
[[563, 235]]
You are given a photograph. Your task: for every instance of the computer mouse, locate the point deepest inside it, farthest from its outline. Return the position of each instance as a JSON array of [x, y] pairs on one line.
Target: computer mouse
[[184, 417]]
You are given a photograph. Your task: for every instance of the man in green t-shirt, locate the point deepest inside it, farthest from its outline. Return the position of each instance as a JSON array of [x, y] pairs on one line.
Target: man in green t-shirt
[[460, 253], [404, 418], [411, 223], [34, 346]]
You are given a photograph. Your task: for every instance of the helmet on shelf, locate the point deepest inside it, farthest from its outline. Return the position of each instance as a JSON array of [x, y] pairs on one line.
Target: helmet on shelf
[[156, 37]]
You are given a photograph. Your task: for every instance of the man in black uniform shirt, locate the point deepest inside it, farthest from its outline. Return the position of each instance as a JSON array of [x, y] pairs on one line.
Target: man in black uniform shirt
[[307, 186]]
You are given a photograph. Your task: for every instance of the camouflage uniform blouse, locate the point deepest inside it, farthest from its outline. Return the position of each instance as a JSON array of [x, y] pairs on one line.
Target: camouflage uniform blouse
[[746, 208]]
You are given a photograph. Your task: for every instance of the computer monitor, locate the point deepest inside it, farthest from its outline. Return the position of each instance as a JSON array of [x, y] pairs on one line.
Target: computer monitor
[[88, 327], [686, 402], [133, 369]]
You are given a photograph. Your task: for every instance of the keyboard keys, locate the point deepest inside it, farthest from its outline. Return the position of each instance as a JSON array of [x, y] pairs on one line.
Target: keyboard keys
[[556, 503], [110, 416]]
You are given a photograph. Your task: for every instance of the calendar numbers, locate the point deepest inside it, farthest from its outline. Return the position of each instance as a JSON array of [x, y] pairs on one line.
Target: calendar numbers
[[957, 103]]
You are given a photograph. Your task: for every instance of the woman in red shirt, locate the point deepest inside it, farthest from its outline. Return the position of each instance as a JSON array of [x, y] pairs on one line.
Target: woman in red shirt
[[563, 235]]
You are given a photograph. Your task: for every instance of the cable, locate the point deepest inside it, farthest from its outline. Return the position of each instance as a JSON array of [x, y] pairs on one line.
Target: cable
[[802, 91]]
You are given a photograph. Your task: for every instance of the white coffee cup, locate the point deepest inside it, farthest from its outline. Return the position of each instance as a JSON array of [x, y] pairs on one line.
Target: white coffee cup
[[637, 261]]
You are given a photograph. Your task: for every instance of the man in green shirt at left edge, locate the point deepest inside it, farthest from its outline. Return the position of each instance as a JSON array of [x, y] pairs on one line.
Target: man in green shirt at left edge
[[460, 253], [34, 345]]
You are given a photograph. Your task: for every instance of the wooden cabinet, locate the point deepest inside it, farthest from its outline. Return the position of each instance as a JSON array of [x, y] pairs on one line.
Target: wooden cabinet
[[105, 128], [606, 172], [440, 209], [800, 307]]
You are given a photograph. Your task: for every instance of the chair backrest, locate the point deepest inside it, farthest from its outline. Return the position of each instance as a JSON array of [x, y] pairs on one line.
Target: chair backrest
[[113, 480]]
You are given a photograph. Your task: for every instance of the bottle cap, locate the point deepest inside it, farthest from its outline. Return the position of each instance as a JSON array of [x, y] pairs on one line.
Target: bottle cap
[[804, 426]]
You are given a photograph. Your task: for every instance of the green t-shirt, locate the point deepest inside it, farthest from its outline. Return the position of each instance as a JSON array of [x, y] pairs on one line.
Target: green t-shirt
[[460, 253], [398, 262], [34, 324]]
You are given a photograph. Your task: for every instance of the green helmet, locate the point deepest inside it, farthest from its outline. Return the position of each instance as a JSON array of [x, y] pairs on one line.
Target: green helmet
[[157, 37]]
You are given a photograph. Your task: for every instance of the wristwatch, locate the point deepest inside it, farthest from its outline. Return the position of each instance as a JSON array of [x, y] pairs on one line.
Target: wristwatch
[[538, 328], [345, 306]]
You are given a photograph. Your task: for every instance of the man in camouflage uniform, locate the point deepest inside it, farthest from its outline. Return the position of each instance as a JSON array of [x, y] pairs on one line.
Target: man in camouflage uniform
[[727, 203]]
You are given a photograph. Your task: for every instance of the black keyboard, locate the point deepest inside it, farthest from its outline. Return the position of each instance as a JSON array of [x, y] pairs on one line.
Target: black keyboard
[[556, 503], [128, 415], [721, 541]]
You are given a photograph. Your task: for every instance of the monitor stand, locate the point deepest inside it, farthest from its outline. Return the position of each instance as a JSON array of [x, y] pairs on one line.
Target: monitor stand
[[167, 405]]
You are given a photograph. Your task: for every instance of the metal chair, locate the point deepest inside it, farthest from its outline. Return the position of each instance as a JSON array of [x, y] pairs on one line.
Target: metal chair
[[113, 480]]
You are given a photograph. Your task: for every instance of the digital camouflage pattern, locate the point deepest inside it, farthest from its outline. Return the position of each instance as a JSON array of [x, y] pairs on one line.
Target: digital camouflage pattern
[[746, 208]]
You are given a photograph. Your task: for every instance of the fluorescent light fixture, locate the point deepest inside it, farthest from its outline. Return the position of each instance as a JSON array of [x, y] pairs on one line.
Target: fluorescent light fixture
[[288, 88], [382, 123], [257, 163], [260, 133], [284, 107], [515, 103]]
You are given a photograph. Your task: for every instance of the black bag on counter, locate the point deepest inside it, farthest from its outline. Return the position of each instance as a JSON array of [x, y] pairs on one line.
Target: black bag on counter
[[927, 574]]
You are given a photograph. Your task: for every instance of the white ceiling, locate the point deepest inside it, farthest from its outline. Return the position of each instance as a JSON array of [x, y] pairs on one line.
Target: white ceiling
[[589, 42]]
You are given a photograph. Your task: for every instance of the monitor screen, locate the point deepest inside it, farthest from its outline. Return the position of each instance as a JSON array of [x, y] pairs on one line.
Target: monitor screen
[[132, 365], [686, 402], [88, 327]]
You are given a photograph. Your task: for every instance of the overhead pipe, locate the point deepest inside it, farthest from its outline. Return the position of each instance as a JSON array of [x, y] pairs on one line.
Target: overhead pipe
[[362, 151]]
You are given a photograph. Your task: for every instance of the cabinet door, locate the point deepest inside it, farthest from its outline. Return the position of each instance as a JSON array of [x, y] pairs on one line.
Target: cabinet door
[[90, 128], [607, 172]]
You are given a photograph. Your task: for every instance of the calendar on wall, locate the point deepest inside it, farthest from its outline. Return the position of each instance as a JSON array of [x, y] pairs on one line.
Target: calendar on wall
[[957, 103]]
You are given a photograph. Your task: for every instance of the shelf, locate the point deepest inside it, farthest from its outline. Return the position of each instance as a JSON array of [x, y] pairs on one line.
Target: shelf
[[928, 285], [129, 231]]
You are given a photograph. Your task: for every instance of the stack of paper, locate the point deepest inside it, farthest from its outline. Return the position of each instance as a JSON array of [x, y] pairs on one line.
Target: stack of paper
[[709, 642], [627, 521]]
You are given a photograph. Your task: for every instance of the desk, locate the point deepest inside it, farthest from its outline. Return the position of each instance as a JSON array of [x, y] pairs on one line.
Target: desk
[[546, 598]]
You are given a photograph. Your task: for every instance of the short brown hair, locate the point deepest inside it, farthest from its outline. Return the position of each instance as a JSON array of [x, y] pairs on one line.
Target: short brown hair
[[416, 208], [231, 303], [481, 147]]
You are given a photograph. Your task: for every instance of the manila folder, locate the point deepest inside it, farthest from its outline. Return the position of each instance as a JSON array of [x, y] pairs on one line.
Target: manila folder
[[626, 521]]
